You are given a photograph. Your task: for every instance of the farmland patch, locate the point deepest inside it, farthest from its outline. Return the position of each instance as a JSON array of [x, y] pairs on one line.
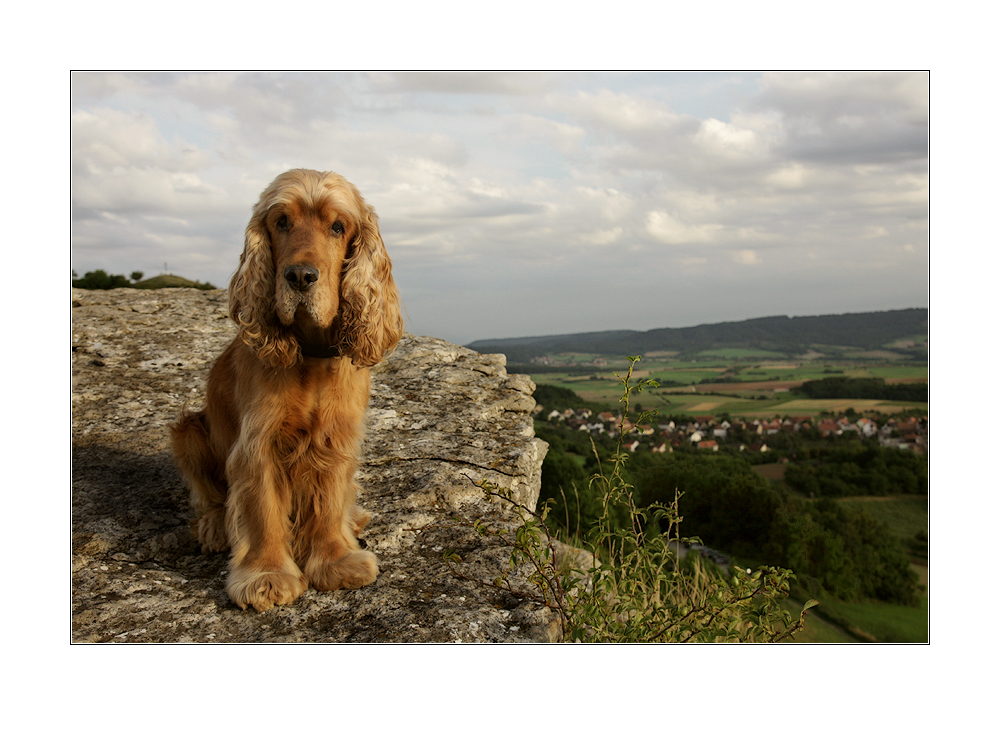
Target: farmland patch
[[771, 471], [705, 406], [812, 405]]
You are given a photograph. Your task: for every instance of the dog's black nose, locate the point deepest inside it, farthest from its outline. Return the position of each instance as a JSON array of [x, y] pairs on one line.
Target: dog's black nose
[[300, 278]]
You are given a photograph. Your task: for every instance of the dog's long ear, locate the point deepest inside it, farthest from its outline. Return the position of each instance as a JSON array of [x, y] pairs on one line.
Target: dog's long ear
[[251, 297], [371, 322]]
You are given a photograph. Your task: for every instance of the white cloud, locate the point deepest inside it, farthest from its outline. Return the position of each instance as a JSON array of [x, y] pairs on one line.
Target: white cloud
[[603, 236], [788, 176], [746, 257], [730, 141], [625, 114], [671, 231]]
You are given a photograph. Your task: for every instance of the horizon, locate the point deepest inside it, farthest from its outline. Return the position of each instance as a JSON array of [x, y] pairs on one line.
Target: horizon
[[481, 339], [694, 325]]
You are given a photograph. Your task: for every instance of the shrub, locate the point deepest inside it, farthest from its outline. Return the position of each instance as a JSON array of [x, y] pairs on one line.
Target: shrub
[[636, 590], [100, 279]]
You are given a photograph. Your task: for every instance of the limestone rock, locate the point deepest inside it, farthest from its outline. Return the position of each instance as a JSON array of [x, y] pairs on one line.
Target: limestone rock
[[441, 418]]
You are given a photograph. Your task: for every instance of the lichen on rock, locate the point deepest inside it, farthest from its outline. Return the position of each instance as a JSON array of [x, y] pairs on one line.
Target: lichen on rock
[[441, 418]]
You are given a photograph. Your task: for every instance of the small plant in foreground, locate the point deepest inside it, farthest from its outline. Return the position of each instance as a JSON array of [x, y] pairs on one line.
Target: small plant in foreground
[[637, 589]]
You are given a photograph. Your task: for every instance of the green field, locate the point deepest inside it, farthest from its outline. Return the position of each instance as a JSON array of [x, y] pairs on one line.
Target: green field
[[698, 402], [865, 623], [816, 629], [881, 622], [742, 354], [751, 389]]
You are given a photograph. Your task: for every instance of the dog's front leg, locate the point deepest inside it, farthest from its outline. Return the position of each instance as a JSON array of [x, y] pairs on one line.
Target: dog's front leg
[[336, 560], [262, 571]]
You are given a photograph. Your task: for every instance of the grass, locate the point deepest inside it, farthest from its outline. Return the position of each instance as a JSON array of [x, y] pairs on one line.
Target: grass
[[885, 623], [816, 629], [865, 622]]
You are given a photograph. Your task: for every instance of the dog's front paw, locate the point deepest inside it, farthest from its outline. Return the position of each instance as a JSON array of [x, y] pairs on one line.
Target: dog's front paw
[[264, 589], [210, 529], [357, 569]]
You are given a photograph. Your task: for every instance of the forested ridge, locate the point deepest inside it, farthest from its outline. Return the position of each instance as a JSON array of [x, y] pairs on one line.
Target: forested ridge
[[782, 333]]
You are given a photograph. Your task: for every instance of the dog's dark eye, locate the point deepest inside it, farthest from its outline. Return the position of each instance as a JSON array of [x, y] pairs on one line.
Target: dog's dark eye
[[282, 223], [337, 229]]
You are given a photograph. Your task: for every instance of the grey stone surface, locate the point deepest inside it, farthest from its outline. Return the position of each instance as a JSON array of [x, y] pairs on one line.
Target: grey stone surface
[[441, 417]]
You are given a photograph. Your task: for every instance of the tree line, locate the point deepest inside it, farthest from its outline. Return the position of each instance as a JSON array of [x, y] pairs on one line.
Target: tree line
[[859, 469], [866, 388], [101, 279]]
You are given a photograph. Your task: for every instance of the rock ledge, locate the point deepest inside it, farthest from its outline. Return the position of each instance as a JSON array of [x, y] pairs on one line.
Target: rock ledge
[[441, 417]]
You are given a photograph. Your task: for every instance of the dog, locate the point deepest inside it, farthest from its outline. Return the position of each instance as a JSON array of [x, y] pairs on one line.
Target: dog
[[270, 460]]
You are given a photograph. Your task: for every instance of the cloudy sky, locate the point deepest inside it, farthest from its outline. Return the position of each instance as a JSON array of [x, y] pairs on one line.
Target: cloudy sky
[[518, 204]]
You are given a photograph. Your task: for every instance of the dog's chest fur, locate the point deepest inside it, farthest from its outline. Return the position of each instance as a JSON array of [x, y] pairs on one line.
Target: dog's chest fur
[[315, 429]]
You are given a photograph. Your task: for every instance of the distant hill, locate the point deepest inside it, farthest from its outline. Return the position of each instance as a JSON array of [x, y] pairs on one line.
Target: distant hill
[[165, 280], [786, 334]]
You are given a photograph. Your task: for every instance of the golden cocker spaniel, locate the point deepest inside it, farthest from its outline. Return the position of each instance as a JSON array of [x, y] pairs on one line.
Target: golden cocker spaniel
[[270, 460]]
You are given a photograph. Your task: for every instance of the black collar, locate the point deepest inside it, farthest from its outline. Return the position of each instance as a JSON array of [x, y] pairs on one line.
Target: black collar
[[319, 352]]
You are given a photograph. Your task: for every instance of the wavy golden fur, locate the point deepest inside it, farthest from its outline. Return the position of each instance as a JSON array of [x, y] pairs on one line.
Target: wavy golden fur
[[270, 460]]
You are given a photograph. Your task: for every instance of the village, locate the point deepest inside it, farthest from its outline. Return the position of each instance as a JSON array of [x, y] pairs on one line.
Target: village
[[709, 434]]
